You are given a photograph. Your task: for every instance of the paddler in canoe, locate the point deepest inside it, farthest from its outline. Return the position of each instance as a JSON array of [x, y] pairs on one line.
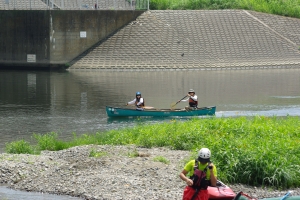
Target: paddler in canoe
[[192, 99], [138, 101]]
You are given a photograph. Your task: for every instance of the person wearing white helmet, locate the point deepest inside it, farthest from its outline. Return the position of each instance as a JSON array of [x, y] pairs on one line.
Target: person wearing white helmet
[[193, 100], [198, 175], [138, 101]]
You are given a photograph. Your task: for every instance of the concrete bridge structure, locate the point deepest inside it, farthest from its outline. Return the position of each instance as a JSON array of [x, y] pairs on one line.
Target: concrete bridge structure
[[164, 40], [50, 34]]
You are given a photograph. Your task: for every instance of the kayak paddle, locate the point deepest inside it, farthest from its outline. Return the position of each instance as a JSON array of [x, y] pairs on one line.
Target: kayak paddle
[[174, 104], [286, 195]]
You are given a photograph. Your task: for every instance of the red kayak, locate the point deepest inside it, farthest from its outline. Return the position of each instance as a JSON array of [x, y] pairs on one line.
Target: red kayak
[[221, 191]]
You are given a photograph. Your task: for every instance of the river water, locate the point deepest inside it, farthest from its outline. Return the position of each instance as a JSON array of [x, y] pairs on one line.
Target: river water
[[9, 194], [74, 101]]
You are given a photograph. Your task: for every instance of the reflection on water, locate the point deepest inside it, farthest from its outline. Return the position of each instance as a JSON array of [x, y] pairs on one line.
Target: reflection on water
[[9, 194], [74, 101], [287, 97]]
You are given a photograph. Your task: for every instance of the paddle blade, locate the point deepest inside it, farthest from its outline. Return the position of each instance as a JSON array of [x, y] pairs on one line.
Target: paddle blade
[[173, 104], [148, 108], [243, 196]]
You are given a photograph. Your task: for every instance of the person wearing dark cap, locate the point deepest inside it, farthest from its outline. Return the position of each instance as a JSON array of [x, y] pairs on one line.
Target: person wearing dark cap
[[198, 175], [193, 100]]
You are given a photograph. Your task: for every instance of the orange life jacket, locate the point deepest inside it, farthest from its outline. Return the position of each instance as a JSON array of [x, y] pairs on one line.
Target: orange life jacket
[[193, 103]]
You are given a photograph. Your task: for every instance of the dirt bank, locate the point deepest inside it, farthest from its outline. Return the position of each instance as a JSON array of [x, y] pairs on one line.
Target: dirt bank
[[118, 173]]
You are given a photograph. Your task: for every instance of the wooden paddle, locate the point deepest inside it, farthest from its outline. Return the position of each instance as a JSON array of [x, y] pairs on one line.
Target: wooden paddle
[[145, 107], [174, 104]]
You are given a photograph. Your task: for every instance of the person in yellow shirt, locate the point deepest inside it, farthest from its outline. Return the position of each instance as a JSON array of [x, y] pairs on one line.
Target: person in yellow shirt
[[198, 175]]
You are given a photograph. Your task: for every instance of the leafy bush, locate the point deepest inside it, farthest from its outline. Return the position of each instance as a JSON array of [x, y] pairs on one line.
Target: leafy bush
[[19, 147]]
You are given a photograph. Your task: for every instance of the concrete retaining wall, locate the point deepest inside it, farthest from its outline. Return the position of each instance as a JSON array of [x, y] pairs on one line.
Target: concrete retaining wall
[[52, 38], [24, 33]]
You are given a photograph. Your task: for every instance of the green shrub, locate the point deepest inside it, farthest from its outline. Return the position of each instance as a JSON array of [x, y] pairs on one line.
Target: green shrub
[[285, 8], [19, 147], [49, 142]]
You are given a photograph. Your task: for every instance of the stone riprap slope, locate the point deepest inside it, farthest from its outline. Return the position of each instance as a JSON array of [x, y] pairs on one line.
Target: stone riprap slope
[[198, 39], [23, 5], [116, 174]]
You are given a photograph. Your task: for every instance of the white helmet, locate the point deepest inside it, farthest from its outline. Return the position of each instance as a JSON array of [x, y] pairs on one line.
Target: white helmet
[[204, 155]]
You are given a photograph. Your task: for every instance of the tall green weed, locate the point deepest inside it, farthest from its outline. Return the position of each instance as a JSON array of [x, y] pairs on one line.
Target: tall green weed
[[252, 150], [279, 7]]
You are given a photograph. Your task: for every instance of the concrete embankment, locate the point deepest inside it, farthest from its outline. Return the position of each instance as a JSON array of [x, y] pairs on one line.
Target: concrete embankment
[[198, 39], [49, 38], [151, 40]]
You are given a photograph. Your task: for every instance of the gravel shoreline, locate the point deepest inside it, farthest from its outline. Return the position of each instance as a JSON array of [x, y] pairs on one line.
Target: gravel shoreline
[[113, 175]]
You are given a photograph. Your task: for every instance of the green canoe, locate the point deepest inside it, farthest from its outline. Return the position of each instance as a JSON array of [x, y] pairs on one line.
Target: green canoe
[[126, 112], [273, 198], [280, 198], [287, 196]]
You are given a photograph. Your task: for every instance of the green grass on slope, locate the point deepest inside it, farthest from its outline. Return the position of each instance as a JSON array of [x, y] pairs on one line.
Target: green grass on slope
[[289, 8], [254, 151]]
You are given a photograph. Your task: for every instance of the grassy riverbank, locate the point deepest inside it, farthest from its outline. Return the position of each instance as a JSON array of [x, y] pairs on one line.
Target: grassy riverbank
[[254, 151], [286, 8]]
